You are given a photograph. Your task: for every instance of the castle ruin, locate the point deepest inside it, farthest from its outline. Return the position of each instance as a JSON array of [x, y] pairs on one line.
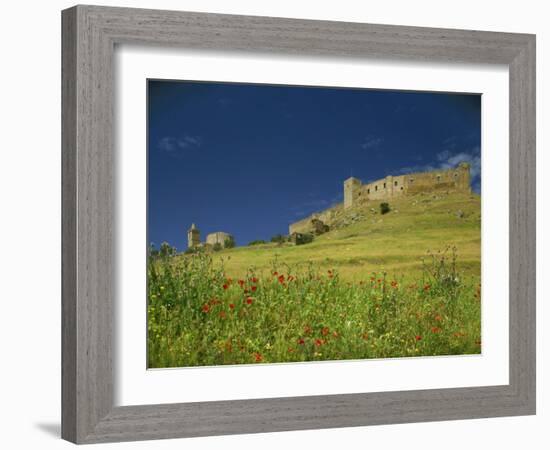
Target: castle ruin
[[392, 186], [194, 238]]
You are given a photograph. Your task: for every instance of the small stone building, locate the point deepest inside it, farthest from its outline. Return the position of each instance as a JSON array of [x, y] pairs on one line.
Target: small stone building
[[194, 238], [301, 238], [219, 237]]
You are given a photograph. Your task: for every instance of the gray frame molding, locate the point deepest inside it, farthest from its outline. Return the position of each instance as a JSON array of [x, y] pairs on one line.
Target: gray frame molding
[[89, 36]]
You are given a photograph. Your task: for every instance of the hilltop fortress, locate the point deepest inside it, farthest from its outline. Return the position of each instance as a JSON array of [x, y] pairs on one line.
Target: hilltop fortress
[[357, 193]]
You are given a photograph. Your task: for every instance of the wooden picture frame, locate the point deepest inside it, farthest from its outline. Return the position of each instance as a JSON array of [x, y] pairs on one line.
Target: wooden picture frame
[[89, 37]]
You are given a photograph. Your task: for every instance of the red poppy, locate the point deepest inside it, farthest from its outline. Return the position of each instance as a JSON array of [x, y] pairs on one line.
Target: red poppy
[[394, 284], [275, 274], [231, 306], [319, 342], [249, 300], [206, 308], [325, 331], [258, 357], [281, 278], [438, 318], [418, 337], [301, 341], [222, 314], [225, 286], [436, 329], [426, 287], [254, 280], [241, 283], [253, 288]]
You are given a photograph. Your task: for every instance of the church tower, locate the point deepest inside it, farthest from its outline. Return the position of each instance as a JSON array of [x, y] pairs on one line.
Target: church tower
[[193, 236]]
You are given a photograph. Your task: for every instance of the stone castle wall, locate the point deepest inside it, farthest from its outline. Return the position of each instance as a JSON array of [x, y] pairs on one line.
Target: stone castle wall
[[305, 225], [217, 238], [392, 186], [457, 179], [301, 226]]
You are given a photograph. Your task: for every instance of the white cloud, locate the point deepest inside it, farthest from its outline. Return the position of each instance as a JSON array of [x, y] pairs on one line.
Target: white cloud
[[417, 168], [448, 160], [451, 142], [444, 155], [473, 158], [224, 101], [177, 145], [371, 142]]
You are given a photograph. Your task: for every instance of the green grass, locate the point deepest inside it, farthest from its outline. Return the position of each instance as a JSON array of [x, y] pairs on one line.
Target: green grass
[[401, 284], [394, 242]]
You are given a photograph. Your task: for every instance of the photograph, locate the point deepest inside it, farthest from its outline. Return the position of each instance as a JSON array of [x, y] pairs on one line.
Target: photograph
[[264, 225], [298, 223]]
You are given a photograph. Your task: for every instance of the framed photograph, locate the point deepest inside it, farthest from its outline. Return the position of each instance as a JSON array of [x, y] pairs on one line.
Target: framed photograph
[[313, 264], [277, 224]]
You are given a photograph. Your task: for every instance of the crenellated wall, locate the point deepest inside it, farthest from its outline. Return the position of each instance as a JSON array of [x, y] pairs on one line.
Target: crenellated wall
[[392, 186], [457, 178]]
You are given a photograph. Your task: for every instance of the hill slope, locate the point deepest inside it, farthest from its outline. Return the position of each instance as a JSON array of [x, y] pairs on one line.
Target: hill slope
[[197, 316], [362, 240]]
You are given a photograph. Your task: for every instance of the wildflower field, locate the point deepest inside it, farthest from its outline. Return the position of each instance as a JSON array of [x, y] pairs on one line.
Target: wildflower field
[[406, 283], [197, 315]]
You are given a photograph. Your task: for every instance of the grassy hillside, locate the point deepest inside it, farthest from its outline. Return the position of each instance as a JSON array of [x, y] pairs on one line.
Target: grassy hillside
[[359, 291], [363, 240]]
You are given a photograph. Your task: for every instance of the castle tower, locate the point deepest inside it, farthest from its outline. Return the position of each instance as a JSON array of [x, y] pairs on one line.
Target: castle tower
[[352, 191], [463, 176], [193, 236]]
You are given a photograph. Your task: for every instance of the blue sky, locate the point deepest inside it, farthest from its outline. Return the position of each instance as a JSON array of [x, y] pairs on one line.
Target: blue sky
[[249, 159]]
